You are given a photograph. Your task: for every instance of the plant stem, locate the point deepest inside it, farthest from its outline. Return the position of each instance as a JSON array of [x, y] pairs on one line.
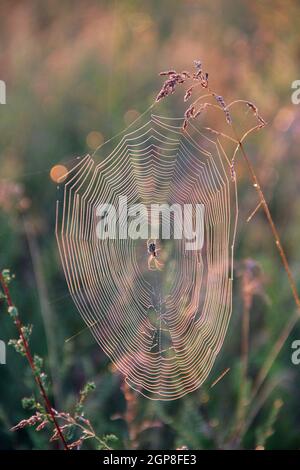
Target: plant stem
[[293, 320], [273, 227], [29, 357]]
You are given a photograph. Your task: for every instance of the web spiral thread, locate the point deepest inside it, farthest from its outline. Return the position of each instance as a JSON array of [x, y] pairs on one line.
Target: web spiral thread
[[163, 328]]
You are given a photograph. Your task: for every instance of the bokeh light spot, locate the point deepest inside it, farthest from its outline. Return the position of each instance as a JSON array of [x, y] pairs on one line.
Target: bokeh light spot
[[283, 119], [58, 173], [130, 116], [94, 139]]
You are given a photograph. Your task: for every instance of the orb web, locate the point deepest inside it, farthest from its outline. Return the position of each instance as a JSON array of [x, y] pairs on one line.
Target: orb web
[[162, 328]]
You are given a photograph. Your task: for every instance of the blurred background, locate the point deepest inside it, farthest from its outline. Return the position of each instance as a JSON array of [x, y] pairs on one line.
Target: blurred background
[[77, 73]]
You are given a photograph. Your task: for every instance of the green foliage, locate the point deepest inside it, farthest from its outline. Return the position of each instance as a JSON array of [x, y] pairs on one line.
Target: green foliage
[[83, 395], [266, 429], [13, 311], [8, 277], [18, 345], [29, 403], [107, 441]]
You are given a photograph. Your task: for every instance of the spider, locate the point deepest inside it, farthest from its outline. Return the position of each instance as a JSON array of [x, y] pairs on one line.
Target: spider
[[153, 263]]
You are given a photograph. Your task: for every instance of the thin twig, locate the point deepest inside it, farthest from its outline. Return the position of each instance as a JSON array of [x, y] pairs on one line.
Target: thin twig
[[258, 404], [220, 377], [262, 374], [254, 212], [273, 354], [245, 340], [273, 227], [29, 357]]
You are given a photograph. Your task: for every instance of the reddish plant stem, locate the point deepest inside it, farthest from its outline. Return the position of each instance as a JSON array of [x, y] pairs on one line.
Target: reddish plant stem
[[266, 209], [273, 227], [287, 330], [29, 357]]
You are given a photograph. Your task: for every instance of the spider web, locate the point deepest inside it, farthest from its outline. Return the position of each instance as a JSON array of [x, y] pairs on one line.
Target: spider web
[[161, 328]]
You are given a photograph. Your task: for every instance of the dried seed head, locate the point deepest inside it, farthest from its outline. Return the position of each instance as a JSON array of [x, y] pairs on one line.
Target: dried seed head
[[254, 109], [188, 93], [222, 103], [168, 72], [170, 84]]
